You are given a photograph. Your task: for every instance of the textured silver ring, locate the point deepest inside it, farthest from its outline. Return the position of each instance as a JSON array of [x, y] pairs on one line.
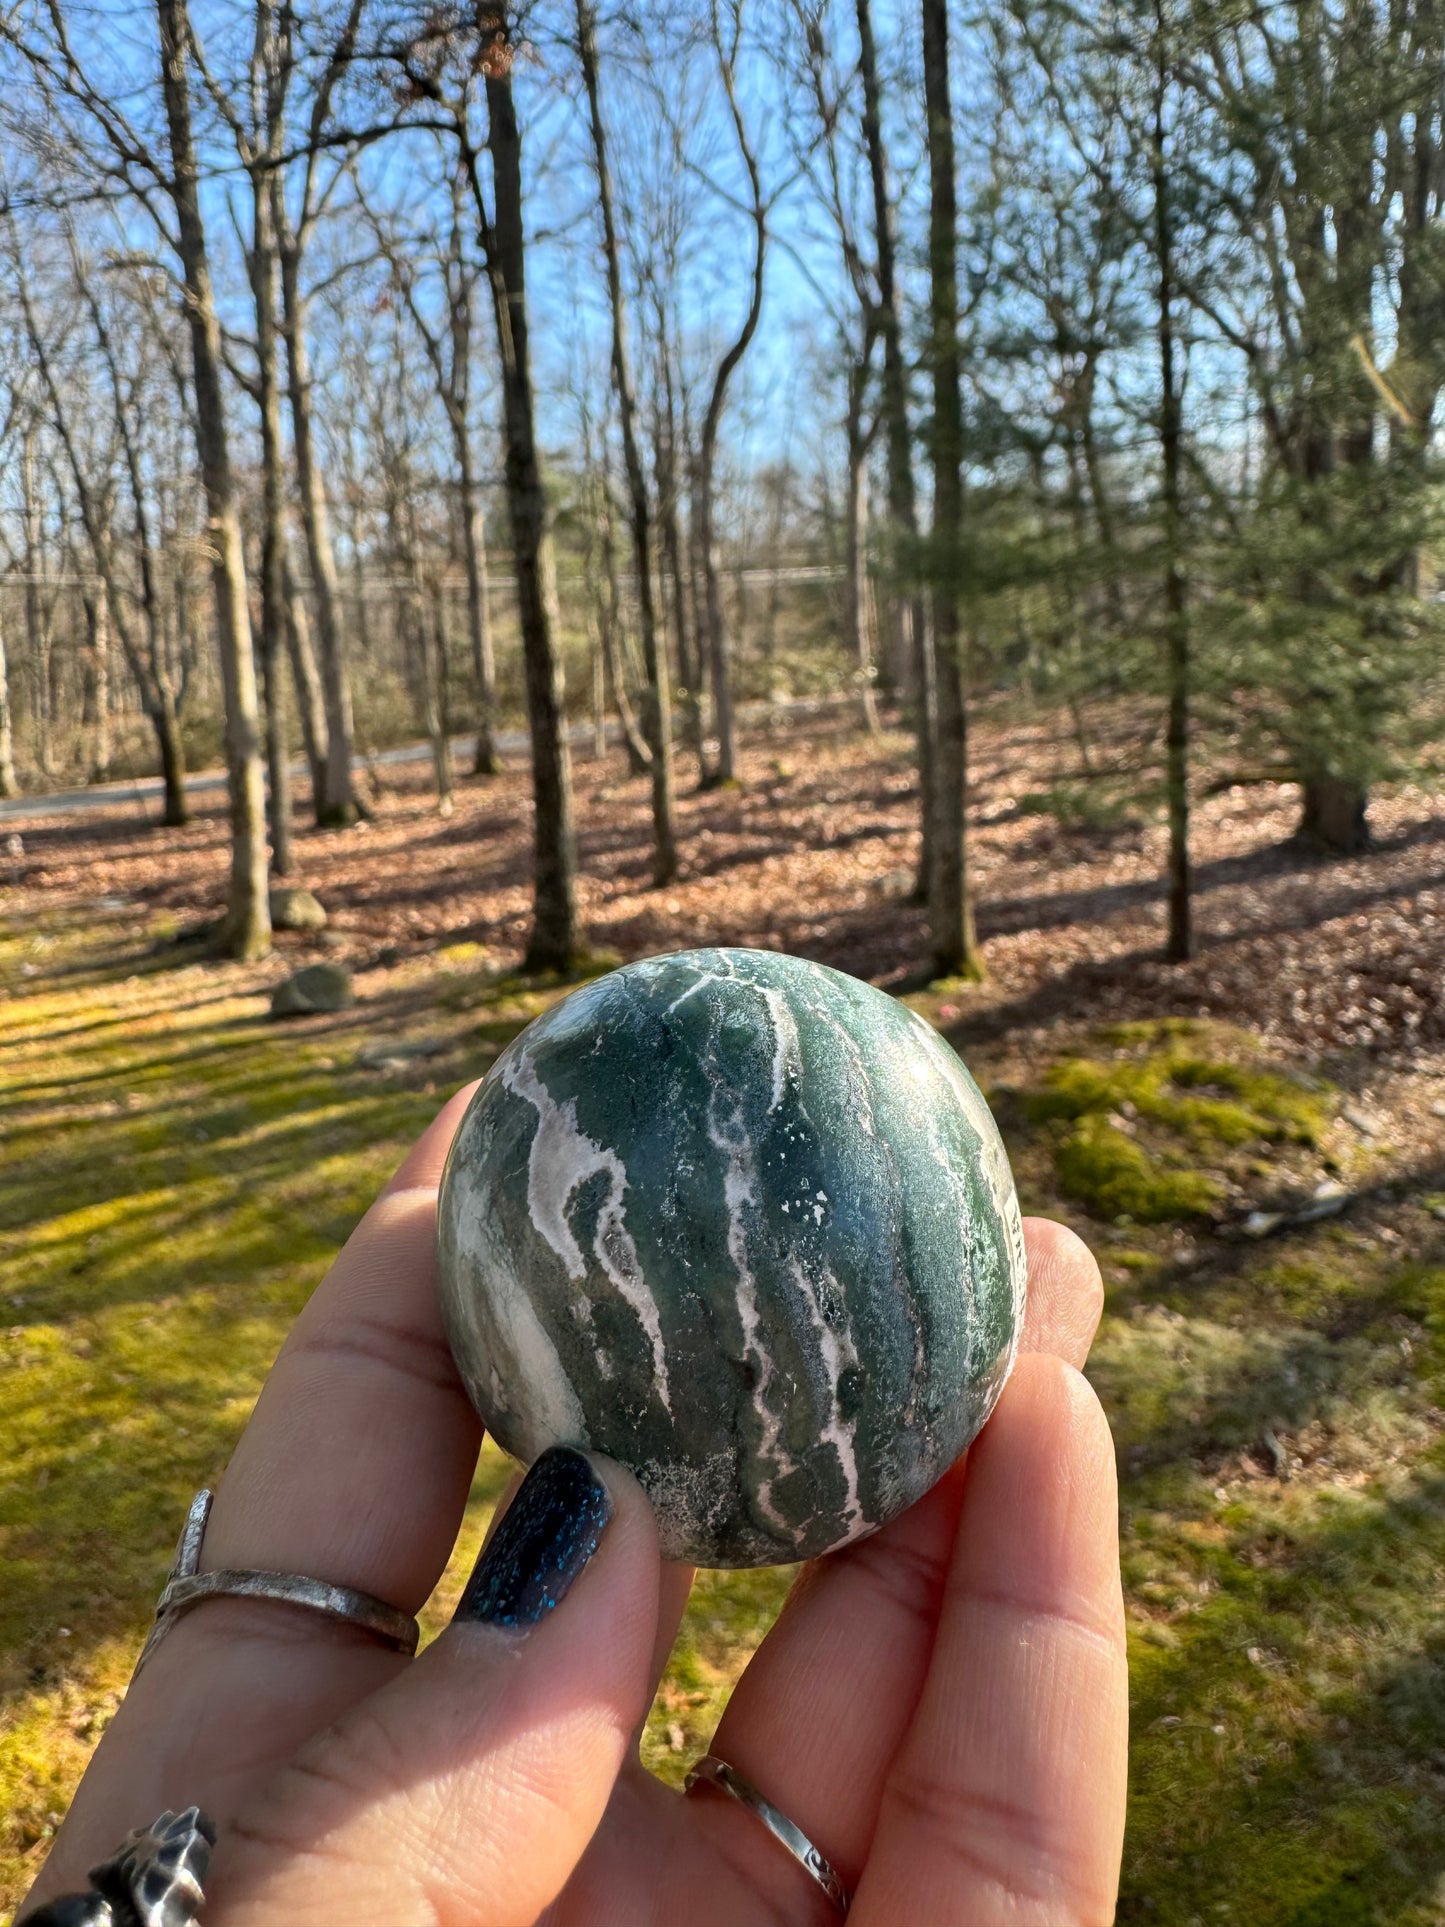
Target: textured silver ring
[[153, 1879], [187, 1586], [713, 1772]]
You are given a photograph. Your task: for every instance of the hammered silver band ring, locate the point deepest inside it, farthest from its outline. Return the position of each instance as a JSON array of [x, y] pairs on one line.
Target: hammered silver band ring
[[188, 1586], [712, 1772]]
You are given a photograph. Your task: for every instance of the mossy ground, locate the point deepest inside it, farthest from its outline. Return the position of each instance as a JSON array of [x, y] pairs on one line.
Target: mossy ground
[[1276, 1405], [178, 1172]]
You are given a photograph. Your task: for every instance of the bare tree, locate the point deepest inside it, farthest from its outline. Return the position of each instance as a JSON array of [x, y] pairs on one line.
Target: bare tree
[[955, 946], [859, 322], [9, 784], [1179, 945], [672, 460], [602, 587], [247, 930], [96, 703], [258, 130], [727, 44], [162, 692], [305, 677], [448, 342], [657, 700], [443, 65], [159, 181], [859, 433], [294, 230], [911, 645]]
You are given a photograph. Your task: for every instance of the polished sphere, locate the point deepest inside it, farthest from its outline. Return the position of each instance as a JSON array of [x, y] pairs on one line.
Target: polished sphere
[[746, 1225]]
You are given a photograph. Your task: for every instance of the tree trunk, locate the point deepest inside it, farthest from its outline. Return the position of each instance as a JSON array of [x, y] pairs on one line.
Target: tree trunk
[[599, 685], [152, 671], [955, 946], [247, 930], [275, 613], [608, 601], [678, 557], [717, 636], [669, 496], [908, 656], [306, 679], [1335, 814], [775, 582], [479, 620], [657, 695], [674, 563], [278, 767], [97, 621], [37, 622], [719, 650], [856, 611], [554, 941], [8, 783], [172, 751], [1179, 944], [336, 803], [432, 660]]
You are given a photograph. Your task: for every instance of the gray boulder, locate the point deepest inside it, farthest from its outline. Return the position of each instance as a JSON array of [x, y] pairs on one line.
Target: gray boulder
[[296, 910], [321, 986]]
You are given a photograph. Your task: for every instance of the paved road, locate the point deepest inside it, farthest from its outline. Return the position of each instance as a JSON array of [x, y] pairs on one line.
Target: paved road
[[148, 789]]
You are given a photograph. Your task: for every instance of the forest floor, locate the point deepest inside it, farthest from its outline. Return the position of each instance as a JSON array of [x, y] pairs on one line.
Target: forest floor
[[1254, 1143]]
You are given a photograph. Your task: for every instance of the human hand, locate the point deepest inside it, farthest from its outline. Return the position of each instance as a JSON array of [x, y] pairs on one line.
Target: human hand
[[941, 1707]]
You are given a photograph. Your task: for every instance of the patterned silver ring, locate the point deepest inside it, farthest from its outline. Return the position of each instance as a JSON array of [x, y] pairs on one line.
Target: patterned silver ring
[[187, 1586], [713, 1772], [153, 1879]]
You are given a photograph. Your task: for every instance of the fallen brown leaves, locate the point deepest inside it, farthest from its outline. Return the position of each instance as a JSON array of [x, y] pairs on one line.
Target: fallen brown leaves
[[814, 852]]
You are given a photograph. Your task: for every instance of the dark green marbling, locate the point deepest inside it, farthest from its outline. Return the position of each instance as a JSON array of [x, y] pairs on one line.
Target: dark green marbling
[[745, 1224]]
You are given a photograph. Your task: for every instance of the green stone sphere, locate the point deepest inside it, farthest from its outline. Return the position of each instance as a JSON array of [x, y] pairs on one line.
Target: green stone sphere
[[746, 1225]]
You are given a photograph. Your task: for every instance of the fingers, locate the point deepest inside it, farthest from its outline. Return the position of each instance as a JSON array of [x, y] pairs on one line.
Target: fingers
[[467, 1789], [825, 1701], [354, 1468], [1006, 1800], [356, 1463], [1066, 1292]]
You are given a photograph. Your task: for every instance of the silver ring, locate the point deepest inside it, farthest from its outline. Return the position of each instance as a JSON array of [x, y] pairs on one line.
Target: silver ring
[[713, 1772], [153, 1877], [187, 1586]]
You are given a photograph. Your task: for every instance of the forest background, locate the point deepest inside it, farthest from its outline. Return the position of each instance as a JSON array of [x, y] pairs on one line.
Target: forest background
[[843, 476]]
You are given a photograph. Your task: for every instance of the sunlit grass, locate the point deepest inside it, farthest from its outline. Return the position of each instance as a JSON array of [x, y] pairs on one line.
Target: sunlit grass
[[177, 1174]]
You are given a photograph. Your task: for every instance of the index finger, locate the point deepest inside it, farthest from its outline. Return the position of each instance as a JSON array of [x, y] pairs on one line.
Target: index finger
[[357, 1461]]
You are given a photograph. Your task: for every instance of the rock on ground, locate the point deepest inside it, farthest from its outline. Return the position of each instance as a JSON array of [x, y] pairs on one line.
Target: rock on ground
[[296, 910], [322, 986]]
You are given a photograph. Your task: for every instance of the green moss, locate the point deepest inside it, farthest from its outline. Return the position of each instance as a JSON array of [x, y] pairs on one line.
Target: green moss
[[1128, 1130], [1206, 1100], [1112, 1177]]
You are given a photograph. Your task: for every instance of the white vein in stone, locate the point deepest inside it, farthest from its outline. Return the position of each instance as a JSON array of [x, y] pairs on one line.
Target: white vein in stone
[[739, 1191], [562, 1158], [837, 1355], [504, 1330], [699, 983], [786, 1050]]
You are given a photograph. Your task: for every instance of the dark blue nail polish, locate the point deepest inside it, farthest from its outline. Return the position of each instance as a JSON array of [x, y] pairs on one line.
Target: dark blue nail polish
[[547, 1535]]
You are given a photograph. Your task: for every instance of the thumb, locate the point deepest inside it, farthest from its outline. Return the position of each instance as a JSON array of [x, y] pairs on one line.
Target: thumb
[[466, 1790]]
